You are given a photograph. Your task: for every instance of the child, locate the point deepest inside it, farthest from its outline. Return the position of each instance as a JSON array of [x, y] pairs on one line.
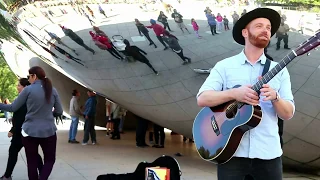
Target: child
[[226, 23], [195, 27]]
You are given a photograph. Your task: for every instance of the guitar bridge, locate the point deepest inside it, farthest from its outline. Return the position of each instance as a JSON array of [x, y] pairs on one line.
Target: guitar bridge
[[215, 126]]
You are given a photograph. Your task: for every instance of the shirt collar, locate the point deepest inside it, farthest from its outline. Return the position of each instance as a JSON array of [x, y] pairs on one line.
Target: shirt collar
[[37, 81], [243, 58]]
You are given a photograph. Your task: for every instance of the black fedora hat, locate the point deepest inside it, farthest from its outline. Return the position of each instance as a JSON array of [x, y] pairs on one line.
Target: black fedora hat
[[268, 13]]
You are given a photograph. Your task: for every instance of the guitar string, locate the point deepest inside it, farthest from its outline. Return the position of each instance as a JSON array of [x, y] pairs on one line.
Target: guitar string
[[260, 82]]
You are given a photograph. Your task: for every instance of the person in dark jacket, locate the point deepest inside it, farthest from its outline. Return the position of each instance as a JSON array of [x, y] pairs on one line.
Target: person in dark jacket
[[69, 56], [72, 35], [142, 29], [135, 52], [164, 20], [172, 41], [89, 115], [15, 133]]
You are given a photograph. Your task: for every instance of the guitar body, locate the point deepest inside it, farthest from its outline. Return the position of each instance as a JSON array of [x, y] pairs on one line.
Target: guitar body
[[216, 136]]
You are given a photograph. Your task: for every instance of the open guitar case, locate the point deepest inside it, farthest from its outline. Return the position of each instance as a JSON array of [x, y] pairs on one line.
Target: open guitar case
[[139, 174]]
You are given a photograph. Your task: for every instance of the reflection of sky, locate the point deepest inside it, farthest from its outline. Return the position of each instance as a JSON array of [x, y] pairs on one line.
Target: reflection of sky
[[203, 131]]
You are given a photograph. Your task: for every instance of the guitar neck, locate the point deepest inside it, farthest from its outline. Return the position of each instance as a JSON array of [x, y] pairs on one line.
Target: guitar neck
[[274, 71], [270, 74]]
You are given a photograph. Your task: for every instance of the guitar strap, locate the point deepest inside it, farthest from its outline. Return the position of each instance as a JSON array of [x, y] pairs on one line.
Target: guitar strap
[[266, 67], [280, 121]]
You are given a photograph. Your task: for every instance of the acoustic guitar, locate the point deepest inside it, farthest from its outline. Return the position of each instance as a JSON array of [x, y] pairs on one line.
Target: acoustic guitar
[[217, 131]]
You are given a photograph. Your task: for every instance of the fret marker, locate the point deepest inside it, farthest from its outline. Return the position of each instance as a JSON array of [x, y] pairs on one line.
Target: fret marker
[[294, 53]]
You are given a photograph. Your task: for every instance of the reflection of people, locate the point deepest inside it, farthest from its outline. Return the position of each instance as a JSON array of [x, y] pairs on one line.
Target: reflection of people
[[72, 35], [282, 34], [103, 43], [69, 56], [172, 41], [164, 20], [178, 18], [158, 30], [259, 146], [55, 37], [142, 29], [135, 52]]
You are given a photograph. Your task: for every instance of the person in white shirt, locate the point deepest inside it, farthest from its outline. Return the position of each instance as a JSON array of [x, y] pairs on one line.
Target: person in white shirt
[[75, 113]]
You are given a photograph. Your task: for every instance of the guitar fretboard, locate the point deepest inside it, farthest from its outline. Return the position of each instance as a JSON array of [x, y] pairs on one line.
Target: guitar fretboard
[[270, 74]]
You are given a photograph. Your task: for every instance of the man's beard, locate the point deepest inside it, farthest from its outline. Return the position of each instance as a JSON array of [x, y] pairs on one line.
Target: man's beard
[[256, 41]]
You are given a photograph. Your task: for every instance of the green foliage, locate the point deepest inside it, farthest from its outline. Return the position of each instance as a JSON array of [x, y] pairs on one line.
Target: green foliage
[[8, 81]]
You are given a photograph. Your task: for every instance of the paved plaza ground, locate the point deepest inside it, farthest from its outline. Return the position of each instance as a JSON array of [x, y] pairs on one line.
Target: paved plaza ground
[[78, 162]]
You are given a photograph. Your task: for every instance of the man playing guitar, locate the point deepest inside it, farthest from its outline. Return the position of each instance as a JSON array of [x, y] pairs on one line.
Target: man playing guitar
[[259, 152]]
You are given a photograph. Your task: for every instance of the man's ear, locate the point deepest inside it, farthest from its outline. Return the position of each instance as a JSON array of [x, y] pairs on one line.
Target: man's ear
[[245, 32]]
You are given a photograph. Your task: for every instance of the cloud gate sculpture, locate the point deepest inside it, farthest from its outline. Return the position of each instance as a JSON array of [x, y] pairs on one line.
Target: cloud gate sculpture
[[168, 98]]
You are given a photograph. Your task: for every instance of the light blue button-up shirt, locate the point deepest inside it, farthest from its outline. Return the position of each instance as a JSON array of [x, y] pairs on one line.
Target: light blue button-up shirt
[[263, 141]]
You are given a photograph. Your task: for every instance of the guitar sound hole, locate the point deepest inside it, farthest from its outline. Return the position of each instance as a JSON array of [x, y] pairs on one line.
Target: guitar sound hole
[[231, 111]]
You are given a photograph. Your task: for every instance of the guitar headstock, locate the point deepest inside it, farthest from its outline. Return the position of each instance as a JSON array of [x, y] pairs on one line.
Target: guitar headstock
[[308, 45]]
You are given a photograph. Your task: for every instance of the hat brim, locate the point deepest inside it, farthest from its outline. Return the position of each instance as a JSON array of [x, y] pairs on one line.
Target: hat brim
[[267, 13]]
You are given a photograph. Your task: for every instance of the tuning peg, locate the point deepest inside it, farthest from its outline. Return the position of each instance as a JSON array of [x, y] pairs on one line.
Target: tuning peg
[[308, 54], [316, 49]]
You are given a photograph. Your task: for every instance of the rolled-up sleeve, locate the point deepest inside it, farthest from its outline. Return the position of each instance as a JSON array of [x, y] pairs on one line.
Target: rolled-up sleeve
[[214, 81], [285, 91]]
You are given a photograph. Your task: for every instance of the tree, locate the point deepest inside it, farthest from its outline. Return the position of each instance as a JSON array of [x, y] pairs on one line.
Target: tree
[[8, 81]]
